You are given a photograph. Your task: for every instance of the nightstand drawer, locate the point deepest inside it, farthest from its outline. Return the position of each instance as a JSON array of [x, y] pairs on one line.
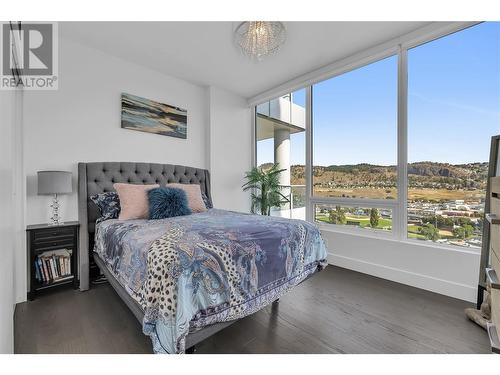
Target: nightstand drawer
[[53, 234], [495, 262], [495, 239], [51, 244], [493, 334], [495, 319], [492, 277], [495, 309]]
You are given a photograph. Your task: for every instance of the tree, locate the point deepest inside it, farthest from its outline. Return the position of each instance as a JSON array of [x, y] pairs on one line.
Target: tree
[[332, 217], [463, 232], [459, 232], [430, 232], [341, 215], [429, 219], [463, 221], [448, 222], [374, 217], [337, 216], [469, 230]]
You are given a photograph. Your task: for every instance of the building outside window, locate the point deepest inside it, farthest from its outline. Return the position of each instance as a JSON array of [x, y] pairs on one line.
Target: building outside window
[[280, 135]]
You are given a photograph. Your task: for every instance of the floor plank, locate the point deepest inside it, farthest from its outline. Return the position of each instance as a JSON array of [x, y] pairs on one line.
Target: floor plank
[[336, 311]]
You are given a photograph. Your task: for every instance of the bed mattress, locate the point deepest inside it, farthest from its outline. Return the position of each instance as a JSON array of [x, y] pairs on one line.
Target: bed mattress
[[190, 272]]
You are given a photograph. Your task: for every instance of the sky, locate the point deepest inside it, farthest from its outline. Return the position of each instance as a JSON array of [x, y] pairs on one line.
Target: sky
[[453, 106]]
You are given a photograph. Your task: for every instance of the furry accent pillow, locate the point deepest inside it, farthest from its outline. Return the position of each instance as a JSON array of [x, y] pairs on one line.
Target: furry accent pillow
[[167, 202], [133, 200]]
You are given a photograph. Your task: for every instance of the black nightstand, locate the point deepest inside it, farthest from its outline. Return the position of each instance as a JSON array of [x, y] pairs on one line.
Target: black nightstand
[[52, 256]]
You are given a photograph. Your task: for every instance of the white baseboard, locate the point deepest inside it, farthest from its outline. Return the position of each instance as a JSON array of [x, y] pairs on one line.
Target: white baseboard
[[448, 288]]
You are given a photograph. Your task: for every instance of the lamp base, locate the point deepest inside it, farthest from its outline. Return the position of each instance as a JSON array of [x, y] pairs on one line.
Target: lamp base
[[55, 219]]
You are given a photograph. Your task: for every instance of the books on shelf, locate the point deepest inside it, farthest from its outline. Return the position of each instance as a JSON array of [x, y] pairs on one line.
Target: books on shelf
[[53, 266]]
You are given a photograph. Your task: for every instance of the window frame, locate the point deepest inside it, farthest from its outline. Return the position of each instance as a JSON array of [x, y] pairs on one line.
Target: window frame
[[398, 47], [393, 205]]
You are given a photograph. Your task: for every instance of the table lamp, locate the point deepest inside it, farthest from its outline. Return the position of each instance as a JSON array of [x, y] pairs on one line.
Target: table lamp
[[54, 183]]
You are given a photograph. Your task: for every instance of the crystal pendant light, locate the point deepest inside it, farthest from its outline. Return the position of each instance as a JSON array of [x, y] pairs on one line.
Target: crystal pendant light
[[258, 39]]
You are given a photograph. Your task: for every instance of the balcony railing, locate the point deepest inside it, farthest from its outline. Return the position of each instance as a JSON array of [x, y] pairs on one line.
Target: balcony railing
[[296, 206]]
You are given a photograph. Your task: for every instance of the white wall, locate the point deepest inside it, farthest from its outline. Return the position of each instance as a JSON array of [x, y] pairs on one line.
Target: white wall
[[81, 121], [7, 113], [230, 149], [445, 271]]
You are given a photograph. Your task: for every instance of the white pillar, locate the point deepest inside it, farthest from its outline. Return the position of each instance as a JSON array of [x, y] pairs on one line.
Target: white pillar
[[282, 158], [282, 153]]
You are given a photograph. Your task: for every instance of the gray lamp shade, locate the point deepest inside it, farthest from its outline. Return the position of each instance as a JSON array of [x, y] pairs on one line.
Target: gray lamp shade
[[54, 182]]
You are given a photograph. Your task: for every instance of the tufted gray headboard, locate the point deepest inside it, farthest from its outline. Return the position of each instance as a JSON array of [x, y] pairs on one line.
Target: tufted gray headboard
[[95, 178]]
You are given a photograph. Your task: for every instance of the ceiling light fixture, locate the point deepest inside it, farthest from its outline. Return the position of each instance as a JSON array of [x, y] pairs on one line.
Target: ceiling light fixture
[[258, 39]]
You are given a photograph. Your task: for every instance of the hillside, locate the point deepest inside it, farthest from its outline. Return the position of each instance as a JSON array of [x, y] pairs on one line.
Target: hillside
[[421, 175]]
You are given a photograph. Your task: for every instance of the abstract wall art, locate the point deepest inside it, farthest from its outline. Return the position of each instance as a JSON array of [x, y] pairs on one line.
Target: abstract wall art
[[152, 117]]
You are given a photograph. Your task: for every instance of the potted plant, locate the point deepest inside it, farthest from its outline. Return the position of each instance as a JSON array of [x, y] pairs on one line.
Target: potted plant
[[266, 189]]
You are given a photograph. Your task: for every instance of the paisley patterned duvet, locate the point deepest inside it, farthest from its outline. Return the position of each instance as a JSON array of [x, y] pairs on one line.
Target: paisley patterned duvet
[[192, 271]]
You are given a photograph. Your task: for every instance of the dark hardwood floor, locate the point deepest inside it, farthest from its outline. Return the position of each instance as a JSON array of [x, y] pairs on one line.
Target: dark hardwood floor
[[337, 311]]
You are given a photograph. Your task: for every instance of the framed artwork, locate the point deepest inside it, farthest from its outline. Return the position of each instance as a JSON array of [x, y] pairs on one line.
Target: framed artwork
[[152, 117]]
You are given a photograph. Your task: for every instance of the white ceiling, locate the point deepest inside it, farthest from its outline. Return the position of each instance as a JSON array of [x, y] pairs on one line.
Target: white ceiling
[[204, 52]]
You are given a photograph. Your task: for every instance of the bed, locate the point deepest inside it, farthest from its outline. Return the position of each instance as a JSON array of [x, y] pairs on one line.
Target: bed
[[186, 278]]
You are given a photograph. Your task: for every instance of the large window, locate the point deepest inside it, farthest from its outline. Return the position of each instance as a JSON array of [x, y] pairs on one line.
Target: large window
[[354, 146], [399, 147], [453, 110], [355, 133]]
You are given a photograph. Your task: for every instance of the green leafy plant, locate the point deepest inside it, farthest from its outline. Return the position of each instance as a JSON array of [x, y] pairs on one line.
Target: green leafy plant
[[463, 232], [337, 216], [266, 189], [374, 217], [430, 232]]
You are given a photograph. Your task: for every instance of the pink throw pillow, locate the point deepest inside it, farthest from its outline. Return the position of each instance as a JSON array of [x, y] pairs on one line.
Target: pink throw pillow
[[193, 192], [133, 200]]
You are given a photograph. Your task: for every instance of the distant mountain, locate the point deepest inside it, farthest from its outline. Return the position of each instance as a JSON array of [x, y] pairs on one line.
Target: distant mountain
[[449, 176], [431, 169], [266, 165], [421, 174]]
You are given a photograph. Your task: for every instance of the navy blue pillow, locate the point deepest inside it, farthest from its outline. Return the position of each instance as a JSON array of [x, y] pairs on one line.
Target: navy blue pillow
[[207, 202], [167, 202], [108, 204]]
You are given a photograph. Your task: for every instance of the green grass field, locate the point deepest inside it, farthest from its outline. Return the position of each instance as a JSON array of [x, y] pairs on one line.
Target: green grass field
[[363, 221], [384, 224], [413, 232], [414, 194]]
